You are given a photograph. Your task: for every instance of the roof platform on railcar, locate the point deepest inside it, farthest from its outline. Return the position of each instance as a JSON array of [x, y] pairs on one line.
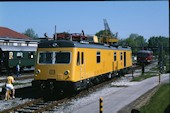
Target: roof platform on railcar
[[81, 44], [65, 39]]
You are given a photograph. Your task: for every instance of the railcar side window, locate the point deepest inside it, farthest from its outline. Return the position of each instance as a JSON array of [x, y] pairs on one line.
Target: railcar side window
[[78, 58], [19, 54], [114, 56], [62, 57], [31, 55], [82, 58], [121, 56], [10, 55], [142, 55], [98, 57], [45, 57]]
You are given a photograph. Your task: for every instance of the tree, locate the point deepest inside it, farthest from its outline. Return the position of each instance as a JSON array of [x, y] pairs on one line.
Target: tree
[[30, 33], [100, 33], [156, 42], [135, 41]]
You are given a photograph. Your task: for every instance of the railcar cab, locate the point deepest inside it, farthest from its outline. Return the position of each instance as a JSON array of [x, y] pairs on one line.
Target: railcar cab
[[53, 64]]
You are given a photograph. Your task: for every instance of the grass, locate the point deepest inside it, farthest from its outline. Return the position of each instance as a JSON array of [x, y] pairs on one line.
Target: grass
[[155, 68], [144, 76], [159, 101]]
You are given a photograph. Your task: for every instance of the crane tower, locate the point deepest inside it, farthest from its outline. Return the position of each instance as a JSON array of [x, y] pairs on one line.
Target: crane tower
[[107, 36]]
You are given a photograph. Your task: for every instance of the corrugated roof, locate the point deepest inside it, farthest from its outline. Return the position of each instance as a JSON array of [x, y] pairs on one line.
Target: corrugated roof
[[6, 32]]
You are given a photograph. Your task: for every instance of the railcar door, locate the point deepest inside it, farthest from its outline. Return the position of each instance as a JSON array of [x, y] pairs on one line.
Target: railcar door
[[81, 64], [115, 62]]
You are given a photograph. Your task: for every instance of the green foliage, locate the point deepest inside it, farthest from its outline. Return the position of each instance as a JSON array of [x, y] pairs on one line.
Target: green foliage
[[157, 42], [159, 102], [30, 33], [134, 41], [144, 76], [101, 33], [138, 42]]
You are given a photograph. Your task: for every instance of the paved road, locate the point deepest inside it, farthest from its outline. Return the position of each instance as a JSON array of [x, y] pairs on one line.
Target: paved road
[[117, 100]]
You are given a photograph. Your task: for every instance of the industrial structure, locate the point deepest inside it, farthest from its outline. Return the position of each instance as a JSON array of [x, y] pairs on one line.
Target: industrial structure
[[108, 37]]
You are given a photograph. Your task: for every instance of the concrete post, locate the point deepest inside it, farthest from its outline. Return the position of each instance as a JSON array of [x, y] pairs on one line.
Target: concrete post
[[101, 105], [159, 78]]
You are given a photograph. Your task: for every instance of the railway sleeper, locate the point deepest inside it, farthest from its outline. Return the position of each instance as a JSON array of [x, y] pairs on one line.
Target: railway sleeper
[[24, 111], [32, 107]]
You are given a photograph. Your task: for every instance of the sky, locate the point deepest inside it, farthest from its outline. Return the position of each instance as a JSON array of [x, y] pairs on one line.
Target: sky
[[145, 18]]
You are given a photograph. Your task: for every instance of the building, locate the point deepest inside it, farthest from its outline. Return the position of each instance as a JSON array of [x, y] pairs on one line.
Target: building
[[13, 38]]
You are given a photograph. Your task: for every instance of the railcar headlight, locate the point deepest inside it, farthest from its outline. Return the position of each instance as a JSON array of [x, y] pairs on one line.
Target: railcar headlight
[[38, 71], [66, 72]]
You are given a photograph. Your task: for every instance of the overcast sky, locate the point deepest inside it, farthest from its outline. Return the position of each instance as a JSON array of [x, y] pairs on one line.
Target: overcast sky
[[146, 18]]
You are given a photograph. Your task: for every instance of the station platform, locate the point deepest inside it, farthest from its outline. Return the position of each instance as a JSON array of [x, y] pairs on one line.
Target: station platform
[[115, 101]]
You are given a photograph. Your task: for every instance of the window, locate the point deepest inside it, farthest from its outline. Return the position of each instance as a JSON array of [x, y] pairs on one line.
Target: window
[[10, 55], [78, 58], [10, 44], [82, 58], [18, 44], [45, 57], [121, 56], [98, 57], [62, 57], [19, 54], [54, 57], [31, 55], [114, 56]]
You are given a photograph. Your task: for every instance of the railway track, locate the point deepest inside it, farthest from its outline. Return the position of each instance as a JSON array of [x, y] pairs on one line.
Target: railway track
[[34, 106], [41, 104], [18, 78]]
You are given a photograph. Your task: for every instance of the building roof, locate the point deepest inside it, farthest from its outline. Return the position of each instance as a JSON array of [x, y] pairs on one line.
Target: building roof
[[18, 48], [8, 33]]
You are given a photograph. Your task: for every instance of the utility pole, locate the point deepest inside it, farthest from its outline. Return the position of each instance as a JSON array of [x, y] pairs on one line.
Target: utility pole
[[143, 67], [143, 63], [160, 58]]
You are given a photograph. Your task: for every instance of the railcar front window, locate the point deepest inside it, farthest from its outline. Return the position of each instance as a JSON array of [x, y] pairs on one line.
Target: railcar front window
[[62, 57], [142, 55], [45, 58], [54, 57]]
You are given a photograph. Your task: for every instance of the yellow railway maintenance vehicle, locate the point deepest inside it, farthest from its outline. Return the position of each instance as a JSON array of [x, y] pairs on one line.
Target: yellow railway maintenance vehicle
[[70, 65]]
